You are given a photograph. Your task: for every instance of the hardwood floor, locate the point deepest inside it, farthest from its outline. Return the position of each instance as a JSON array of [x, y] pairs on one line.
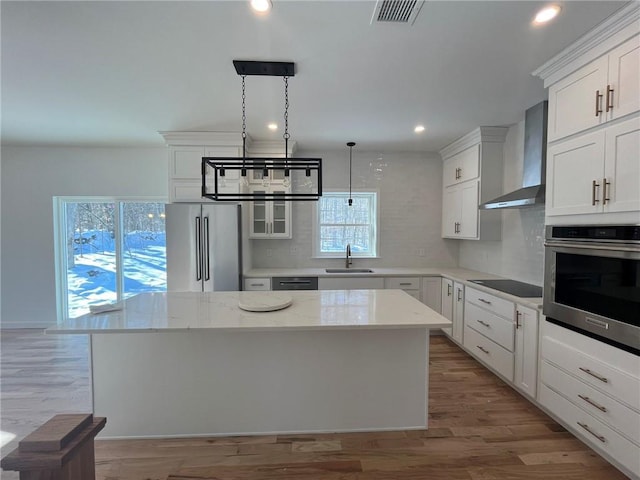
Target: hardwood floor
[[480, 429]]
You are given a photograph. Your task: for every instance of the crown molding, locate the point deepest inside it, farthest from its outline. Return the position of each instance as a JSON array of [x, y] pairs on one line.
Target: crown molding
[[479, 135], [216, 139], [622, 25]]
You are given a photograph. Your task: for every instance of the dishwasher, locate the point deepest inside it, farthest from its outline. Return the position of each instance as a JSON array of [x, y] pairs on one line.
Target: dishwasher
[[294, 283]]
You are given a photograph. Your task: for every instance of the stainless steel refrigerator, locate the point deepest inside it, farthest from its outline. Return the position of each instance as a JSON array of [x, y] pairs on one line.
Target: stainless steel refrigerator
[[204, 251]]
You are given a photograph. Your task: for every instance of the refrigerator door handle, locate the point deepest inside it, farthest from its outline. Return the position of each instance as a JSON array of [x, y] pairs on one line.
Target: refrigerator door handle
[[206, 265], [198, 249]]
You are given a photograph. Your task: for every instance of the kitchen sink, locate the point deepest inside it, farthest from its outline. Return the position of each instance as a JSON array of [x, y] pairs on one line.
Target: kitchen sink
[[348, 270]]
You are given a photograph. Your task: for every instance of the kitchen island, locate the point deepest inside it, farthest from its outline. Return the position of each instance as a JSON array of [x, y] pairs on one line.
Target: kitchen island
[[184, 364]]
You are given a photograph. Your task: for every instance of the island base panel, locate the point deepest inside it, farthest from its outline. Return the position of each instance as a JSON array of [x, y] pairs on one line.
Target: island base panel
[[226, 383]]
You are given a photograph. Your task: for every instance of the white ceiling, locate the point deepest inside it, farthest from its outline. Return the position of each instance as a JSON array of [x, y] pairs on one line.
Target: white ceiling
[[116, 73]]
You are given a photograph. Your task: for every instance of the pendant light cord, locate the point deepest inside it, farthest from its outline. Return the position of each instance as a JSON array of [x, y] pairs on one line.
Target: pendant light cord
[[244, 129], [350, 145]]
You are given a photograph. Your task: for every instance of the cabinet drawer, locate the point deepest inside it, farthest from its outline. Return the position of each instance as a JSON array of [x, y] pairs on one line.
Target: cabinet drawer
[[490, 325], [601, 406], [494, 304], [403, 283], [593, 371], [257, 284], [492, 354], [591, 430]]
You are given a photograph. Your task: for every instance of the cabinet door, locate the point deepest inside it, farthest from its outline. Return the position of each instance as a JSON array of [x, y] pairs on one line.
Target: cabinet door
[[450, 212], [526, 350], [572, 167], [447, 303], [462, 166], [185, 162], [258, 217], [432, 293], [458, 311], [624, 79], [280, 216], [577, 101], [468, 227], [622, 167]]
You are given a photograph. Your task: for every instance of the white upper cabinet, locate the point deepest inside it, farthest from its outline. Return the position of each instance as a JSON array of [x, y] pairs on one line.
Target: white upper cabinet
[[603, 90], [472, 174], [593, 157], [575, 103]]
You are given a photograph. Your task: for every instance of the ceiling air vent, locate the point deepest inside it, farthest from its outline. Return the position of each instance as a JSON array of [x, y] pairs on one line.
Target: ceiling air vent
[[396, 11]]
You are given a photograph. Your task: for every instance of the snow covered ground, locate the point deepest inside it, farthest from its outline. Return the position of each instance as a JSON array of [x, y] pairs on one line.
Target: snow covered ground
[[92, 280]]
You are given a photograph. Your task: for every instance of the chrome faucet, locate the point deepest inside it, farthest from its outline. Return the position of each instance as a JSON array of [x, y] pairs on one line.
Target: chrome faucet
[[348, 260]]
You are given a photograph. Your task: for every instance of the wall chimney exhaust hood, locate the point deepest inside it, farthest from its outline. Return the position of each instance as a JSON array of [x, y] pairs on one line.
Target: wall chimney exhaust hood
[[535, 163]]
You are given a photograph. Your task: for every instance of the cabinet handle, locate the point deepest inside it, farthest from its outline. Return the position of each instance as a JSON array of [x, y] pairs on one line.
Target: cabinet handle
[[609, 98], [448, 290], [485, 301], [484, 324], [459, 294], [405, 284], [594, 198], [598, 102], [586, 427], [605, 199], [591, 402], [595, 375], [257, 284], [518, 319], [483, 350]]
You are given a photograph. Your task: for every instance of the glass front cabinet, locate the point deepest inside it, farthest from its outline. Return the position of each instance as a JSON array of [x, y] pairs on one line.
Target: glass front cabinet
[[270, 219]]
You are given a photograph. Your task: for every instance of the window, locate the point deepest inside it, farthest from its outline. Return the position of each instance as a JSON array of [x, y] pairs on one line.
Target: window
[[107, 250], [339, 224]]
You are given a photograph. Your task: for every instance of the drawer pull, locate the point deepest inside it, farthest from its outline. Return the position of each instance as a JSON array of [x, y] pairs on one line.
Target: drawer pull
[[485, 301], [257, 284], [592, 403], [586, 427], [594, 375], [405, 284], [483, 349], [483, 323]]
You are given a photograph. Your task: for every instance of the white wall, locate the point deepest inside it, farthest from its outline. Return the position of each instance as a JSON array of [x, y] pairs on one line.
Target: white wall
[[520, 253], [410, 204], [31, 177]]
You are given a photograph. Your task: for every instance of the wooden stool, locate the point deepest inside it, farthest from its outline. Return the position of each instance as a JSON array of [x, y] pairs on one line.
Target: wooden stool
[[61, 449]]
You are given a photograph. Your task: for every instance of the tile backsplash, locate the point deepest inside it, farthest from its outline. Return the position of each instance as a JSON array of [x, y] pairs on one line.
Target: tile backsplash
[[520, 253], [410, 204]]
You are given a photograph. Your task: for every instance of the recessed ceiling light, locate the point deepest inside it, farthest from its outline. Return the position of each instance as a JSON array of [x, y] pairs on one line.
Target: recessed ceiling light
[[272, 126], [261, 6], [419, 129], [546, 14]]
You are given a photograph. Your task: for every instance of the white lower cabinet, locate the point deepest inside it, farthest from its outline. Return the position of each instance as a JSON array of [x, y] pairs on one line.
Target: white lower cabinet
[[498, 358], [453, 308], [593, 389], [525, 375], [432, 293], [350, 283], [257, 284], [410, 285]]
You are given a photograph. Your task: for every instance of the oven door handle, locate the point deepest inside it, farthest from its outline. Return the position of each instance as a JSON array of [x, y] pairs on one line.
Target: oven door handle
[[592, 246]]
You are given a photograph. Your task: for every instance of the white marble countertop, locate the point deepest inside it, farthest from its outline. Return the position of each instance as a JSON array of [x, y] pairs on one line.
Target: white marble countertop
[[310, 310], [456, 274]]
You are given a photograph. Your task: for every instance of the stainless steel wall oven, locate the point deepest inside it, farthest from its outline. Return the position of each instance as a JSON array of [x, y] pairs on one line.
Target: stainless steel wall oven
[[592, 282]]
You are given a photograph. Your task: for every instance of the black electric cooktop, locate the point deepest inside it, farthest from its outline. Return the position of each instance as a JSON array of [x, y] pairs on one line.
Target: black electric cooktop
[[513, 287]]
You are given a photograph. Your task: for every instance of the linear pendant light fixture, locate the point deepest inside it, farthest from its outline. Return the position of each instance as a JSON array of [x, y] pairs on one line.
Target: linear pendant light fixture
[[298, 172]]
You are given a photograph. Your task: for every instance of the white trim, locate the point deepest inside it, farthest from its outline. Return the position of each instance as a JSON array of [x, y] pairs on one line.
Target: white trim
[[614, 30], [375, 226], [478, 135], [229, 139]]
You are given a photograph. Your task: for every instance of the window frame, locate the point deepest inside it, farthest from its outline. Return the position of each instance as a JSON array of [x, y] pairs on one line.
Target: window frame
[[60, 244], [374, 232]]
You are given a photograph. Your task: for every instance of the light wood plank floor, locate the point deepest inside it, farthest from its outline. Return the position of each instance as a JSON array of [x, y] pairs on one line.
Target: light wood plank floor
[[480, 429]]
